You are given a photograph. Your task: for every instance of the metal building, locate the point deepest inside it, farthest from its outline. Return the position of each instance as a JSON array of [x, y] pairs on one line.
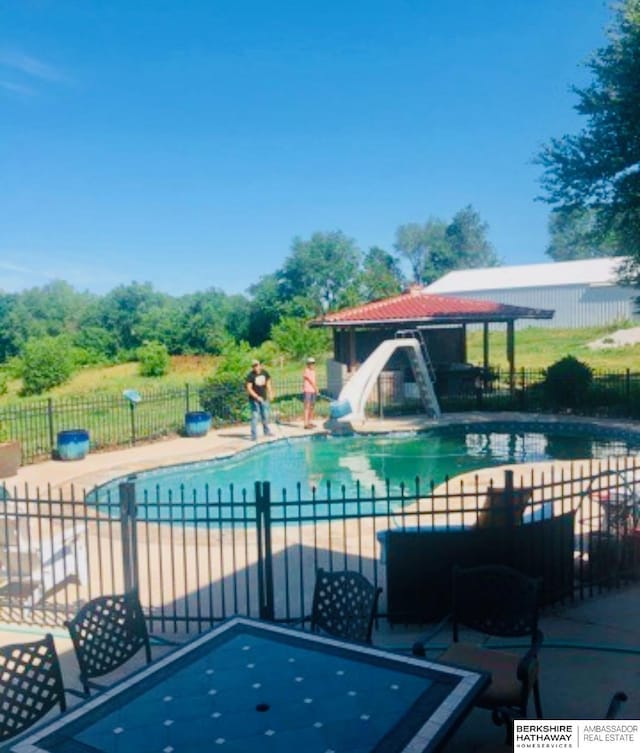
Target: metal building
[[583, 293]]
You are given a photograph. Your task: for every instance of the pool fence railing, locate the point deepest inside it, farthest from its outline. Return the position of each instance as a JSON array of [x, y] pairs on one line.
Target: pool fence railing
[[198, 559], [112, 421]]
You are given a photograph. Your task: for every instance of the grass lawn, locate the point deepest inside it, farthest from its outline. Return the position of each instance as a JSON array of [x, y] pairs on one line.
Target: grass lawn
[[538, 348]]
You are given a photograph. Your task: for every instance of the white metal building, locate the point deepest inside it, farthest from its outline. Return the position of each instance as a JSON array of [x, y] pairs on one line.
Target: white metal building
[[583, 293]]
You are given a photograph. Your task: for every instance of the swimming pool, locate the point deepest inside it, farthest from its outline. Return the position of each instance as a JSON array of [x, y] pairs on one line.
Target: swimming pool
[[352, 468]]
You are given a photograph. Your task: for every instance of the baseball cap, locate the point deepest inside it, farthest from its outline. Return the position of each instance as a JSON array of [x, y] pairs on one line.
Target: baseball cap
[[255, 362], [311, 360]]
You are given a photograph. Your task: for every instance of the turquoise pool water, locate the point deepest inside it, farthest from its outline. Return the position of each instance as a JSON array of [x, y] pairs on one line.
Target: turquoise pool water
[[335, 468]]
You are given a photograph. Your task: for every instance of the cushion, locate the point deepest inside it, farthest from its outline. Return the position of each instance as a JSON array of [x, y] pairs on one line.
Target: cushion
[[505, 688]]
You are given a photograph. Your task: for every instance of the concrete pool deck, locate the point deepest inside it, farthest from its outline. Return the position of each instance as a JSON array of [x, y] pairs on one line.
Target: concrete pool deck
[[602, 651]]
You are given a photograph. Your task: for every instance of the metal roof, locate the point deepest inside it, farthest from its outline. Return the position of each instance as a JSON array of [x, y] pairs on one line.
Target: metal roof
[[581, 272], [416, 306]]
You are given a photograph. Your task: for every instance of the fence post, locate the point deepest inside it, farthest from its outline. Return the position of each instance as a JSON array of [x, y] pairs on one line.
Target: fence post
[[127, 498], [186, 397], [265, 555], [50, 423], [508, 499], [627, 391]]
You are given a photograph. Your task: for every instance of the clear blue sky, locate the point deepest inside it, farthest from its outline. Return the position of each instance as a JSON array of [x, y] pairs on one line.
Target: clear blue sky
[[186, 142]]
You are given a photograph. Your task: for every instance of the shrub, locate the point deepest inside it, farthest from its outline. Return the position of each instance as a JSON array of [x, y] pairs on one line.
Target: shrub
[[46, 362], [4, 382], [567, 382], [223, 394], [154, 359]]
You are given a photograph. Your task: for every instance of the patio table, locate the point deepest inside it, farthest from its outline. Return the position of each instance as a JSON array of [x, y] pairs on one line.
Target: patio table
[[251, 686]]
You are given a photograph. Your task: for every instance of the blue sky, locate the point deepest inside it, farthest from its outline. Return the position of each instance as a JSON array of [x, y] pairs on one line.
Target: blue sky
[[186, 143]]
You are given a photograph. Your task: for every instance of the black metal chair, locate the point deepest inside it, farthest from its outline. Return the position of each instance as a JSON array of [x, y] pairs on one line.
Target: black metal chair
[[30, 685], [106, 632], [497, 601], [344, 605]]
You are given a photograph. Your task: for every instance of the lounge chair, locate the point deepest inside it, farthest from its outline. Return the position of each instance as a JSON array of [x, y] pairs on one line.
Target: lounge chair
[[36, 558]]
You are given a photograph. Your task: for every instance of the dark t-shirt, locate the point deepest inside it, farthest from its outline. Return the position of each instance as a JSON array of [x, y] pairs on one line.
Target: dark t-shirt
[[258, 382]]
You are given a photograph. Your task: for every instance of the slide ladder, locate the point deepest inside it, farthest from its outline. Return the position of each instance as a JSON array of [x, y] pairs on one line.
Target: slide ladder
[[354, 395], [423, 370]]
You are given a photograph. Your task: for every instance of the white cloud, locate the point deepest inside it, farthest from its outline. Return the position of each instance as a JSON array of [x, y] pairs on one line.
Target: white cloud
[[16, 88], [30, 66], [24, 75]]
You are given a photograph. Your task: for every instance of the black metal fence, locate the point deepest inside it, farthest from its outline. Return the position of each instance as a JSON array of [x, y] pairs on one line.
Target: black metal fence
[[112, 421], [199, 558]]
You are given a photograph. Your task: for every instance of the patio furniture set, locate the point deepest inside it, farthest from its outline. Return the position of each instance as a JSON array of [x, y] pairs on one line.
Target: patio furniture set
[[247, 681]]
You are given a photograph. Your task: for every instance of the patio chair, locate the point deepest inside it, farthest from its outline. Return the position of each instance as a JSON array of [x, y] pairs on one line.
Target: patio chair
[[106, 632], [344, 605], [30, 685], [496, 600], [35, 560]]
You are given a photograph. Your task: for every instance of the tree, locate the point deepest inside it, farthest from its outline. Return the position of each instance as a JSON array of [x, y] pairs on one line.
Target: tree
[[435, 248], [381, 275], [574, 234], [324, 269], [423, 246], [293, 337], [599, 168], [466, 236], [122, 310]]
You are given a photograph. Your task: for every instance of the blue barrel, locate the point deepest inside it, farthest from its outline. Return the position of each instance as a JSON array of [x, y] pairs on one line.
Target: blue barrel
[[197, 423], [72, 444]]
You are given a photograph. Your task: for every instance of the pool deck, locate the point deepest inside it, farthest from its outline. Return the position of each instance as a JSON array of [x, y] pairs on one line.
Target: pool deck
[[593, 646]]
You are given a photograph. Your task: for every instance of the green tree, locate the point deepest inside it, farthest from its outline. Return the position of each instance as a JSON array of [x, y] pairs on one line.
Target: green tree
[[46, 362], [324, 269], [466, 237], [435, 247], [599, 168], [122, 309], [424, 246], [293, 337], [574, 234], [265, 309], [381, 275]]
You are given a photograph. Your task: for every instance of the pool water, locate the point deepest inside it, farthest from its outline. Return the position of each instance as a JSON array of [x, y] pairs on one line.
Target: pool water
[[326, 467]]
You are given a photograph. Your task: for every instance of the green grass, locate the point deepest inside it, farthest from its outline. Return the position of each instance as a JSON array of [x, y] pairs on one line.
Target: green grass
[[538, 348]]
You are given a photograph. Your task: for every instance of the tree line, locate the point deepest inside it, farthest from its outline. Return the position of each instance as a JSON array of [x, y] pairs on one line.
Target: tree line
[[47, 332]]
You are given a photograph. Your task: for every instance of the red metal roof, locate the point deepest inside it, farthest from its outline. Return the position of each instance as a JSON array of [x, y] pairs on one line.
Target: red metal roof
[[415, 306]]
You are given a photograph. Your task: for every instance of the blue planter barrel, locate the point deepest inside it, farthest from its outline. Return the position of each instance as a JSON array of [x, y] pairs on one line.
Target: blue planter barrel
[[72, 444], [197, 423]]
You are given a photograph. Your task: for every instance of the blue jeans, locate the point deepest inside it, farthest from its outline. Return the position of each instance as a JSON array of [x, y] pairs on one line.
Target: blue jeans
[[259, 410]]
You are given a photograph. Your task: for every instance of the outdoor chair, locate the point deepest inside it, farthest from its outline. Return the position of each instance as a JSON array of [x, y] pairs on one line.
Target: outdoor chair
[[496, 600], [30, 685], [106, 632], [344, 605], [35, 560]]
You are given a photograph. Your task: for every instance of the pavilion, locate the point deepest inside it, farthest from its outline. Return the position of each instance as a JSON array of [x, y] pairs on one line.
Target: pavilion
[[441, 321]]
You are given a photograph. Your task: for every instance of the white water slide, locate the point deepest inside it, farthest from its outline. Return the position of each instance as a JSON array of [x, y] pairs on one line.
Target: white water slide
[[354, 395]]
